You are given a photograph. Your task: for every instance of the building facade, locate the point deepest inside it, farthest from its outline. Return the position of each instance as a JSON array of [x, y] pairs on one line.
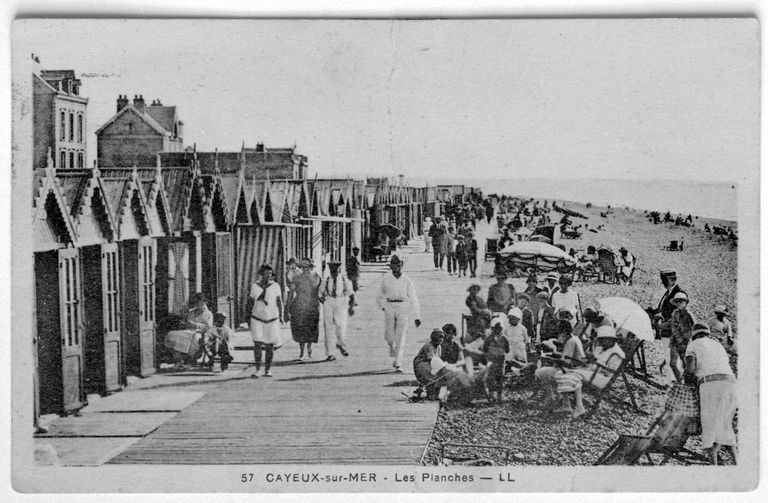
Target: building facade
[[59, 120], [137, 133]]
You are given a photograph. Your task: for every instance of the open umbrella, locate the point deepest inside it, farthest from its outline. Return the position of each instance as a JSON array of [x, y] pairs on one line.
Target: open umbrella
[[541, 256], [628, 316], [393, 232]]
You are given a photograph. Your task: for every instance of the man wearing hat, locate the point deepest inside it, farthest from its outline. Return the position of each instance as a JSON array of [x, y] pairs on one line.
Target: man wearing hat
[[436, 234], [397, 298], [523, 301], [422, 367], [552, 285], [663, 312], [707, 363], [566, 299], [531, 286], [501, 295], [682, 322], [338, 298], [720, 326]]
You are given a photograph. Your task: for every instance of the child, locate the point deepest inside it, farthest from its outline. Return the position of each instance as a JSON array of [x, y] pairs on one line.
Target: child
[[471, 244], [496, 348], [517, 335], [218, 338], [461, 255]]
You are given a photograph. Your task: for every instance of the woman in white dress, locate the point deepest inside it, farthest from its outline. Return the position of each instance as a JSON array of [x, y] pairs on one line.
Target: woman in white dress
[[266, 319]]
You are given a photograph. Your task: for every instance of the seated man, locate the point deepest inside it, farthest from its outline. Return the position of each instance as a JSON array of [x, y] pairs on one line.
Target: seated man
[[572, 353], [421, 363], [626, 266], [598, 371]]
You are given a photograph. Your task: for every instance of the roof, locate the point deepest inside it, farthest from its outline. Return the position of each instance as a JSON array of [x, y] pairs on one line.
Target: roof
[[143, 116], [232, 184], [177, 159], [261, 163], [165, 116], [178, 188], [78, 187], [46, 183]]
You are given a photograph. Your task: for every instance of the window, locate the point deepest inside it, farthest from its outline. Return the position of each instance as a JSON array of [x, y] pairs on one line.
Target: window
[[80, 128], [130, 127], [71, 126], [62, 160], [80, 160], [71, 159], [62, 125]]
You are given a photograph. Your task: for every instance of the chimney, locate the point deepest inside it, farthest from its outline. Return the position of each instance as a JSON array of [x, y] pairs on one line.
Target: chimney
[[259, 147], [156, 103], [401, 180], [138, 102], [122, 102], [179, 129]]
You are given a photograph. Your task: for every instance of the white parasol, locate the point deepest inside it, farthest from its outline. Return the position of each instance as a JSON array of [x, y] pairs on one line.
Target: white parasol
[[541, 256], [629, 316]]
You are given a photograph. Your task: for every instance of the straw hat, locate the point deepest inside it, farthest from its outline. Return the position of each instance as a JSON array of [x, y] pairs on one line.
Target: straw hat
[[516, 312], [679, 296], [721, 309], [524, 296], [668, 273], [542, 296], [553, 276], [495, 321]]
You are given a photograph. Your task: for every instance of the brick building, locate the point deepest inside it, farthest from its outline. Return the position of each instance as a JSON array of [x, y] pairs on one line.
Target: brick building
[[59, 119], [137, 133], [260, 162]]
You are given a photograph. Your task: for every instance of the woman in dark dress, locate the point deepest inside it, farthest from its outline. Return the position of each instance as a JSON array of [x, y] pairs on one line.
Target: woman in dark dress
[[479, 314], [304, 308]]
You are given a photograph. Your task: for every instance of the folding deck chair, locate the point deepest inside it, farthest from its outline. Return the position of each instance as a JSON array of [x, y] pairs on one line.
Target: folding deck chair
[[666, 437], [602, 391]]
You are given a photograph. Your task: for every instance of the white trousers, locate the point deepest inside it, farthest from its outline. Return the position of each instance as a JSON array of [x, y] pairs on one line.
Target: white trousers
[[427, 242], [395, 333], [335, 321]]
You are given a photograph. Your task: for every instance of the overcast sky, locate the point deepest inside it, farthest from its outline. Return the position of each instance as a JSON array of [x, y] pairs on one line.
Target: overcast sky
[[545, 98]]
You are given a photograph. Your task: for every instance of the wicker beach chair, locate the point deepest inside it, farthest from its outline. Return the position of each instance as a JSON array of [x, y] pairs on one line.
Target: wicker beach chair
[[607, 264]]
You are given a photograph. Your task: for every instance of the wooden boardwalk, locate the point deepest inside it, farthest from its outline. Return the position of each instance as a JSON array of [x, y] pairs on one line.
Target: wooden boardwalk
[[351, 411]]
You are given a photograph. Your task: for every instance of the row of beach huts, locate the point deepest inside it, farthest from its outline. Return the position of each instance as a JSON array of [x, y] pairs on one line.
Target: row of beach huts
[[119, 251]]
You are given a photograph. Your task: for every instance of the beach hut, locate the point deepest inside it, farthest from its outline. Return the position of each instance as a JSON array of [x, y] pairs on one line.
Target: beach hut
[[96, 230], [137, 252], [58, 299]]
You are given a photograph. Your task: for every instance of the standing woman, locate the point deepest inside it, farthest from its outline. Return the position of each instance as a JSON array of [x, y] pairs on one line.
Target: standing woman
[[304, 308], [266, 318]]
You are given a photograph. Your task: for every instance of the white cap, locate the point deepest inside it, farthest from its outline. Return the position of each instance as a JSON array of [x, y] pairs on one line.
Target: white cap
[[436, 364], [495, 321], [516, 312], [605, 332]]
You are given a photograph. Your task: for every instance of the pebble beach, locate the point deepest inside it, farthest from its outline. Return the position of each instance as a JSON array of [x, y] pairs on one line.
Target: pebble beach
[[706, 270]]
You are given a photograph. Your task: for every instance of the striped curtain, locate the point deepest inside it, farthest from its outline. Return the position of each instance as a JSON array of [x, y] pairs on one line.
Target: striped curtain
[[257, 246], [178, 281]]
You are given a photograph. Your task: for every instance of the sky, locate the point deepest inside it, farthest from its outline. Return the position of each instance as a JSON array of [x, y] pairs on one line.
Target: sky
[[659, 99]]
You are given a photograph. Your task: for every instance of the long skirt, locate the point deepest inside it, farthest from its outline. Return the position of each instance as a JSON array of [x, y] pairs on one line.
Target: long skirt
[[718, 408], [305, 325], [423, 372]]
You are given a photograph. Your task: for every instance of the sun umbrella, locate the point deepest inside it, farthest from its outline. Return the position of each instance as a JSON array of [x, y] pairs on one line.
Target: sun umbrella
[[390, 230], [541, 256], [629, 316]]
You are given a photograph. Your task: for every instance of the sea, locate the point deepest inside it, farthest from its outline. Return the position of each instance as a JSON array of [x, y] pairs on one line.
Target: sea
[[703, 199]]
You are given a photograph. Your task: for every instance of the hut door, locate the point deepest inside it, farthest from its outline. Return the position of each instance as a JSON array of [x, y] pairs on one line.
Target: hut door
[[110, 281], [224, 274], [147, 259], [71, 329]]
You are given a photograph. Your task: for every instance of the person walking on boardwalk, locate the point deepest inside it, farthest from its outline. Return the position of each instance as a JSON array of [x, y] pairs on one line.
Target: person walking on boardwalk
[[266, 318], [437, 233], [338, 298], [397, 298], [353, 268], [427, 226], [304, 308]]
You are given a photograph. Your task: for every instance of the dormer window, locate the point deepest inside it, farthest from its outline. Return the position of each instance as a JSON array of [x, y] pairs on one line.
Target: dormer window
[[130, 127]]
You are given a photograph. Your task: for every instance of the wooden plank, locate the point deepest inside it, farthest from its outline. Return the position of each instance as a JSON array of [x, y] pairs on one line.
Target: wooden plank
[[146, 401], [107, 424]]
